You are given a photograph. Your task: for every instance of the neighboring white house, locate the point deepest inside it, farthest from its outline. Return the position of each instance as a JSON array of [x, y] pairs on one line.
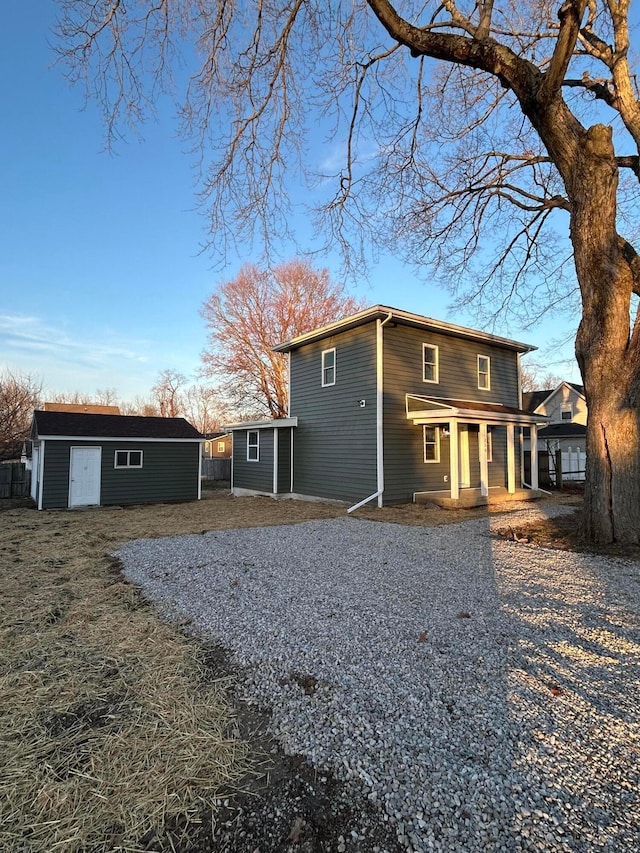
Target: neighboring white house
[[566, 408]]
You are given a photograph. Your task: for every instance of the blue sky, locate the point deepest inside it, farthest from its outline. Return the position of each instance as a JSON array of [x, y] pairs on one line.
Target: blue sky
[[101, 274]]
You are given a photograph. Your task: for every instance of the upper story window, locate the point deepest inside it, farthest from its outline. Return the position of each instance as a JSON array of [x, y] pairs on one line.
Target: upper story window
[[329, 367], [431, 444], [253, 446], [484, 372], [430, 363], [128, 459], [567, 413]]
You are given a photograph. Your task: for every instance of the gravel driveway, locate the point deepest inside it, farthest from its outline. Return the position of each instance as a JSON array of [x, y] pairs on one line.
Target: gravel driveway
[[484, 693]]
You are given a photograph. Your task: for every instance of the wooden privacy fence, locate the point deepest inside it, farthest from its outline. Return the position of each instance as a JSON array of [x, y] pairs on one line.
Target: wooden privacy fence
[[15, 480], [216, 469]]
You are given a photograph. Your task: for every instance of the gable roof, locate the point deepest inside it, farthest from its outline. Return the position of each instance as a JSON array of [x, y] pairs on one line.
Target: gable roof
[[532, 400], [563, 430], [84, 425], [405, 318]]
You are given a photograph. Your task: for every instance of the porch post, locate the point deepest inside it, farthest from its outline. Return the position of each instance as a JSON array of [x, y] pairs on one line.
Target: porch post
[[534, 456], [275, 460], [511, 459], [484, 467], [454, 474]]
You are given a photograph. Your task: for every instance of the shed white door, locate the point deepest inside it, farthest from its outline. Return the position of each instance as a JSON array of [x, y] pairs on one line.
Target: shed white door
[[84, 476]]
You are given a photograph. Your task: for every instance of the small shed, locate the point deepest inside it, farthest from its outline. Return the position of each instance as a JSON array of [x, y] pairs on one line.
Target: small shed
[[83, 459]]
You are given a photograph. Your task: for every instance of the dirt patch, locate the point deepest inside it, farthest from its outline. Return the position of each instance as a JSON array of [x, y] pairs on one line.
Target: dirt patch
[[565, 533]]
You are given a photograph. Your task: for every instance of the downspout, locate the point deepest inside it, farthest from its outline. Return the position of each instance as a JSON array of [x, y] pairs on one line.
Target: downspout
[[380, 405], [379, 419], [41, 480]]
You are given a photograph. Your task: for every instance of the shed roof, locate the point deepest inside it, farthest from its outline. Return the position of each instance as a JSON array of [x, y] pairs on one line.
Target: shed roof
[[405, 318], [85, 425]]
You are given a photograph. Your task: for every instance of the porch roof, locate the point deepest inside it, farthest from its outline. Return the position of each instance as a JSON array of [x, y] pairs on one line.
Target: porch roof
[[434, 410]]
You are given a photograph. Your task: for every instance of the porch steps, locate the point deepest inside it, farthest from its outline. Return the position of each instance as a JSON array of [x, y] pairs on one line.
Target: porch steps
[[473, 497]]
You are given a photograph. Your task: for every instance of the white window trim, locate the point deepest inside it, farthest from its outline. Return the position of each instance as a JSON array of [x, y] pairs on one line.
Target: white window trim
[[486, 387], [436, 430], [221, 447], [436, 349], [128, 465], [335, 367], [256, 445]]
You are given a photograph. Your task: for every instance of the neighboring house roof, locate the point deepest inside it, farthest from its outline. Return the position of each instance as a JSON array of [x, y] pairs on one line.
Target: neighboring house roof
[[211, 436], [563, 430], [532, 399], [82, 425], [406, 318], [89, 408]]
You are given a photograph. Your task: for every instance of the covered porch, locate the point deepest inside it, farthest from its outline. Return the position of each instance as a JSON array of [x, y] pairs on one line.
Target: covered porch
[[453, 419]]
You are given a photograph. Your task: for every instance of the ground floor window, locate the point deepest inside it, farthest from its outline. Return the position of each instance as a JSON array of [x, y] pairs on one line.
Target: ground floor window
[[431, 444], [128, 459], [253, 446]]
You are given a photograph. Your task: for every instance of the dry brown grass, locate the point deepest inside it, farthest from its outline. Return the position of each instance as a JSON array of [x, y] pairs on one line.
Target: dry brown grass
[[110, 729]]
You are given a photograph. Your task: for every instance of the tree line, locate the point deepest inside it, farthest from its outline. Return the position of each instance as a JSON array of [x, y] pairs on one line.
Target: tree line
[[240, 378]]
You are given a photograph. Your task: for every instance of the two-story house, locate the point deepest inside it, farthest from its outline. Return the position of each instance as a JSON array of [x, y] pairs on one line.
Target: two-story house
[[563, 441], [391, 406]]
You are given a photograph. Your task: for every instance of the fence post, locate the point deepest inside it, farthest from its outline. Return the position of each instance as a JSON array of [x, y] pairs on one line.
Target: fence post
[[559, 469]]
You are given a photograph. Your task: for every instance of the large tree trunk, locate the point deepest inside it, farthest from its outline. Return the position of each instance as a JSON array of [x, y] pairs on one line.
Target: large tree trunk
[[606, 352]]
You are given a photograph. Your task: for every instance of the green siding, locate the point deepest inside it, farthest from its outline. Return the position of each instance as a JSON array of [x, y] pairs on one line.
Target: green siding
[[405, 470], [253, 475], [284, 460], [169, 472], [335, 441]]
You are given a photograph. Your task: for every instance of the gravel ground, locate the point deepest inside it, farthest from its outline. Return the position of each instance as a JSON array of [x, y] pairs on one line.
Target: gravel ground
[[482, 694]]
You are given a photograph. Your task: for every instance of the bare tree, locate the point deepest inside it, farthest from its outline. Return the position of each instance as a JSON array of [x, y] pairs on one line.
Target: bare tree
[[533, 377], [168, 393], [204, 408], [253, 312], [140, 406], [477, 136], [107, 397], [19, 396]]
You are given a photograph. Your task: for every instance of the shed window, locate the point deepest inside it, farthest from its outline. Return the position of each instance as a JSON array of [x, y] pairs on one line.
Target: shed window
[[128, 459], [431, 444], [253, 446], [430, 363], [221, 447], [484, 372], [329, 367]]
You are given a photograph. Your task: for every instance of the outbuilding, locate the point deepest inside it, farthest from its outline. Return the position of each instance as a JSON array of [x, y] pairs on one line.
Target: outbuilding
[[84, 459]]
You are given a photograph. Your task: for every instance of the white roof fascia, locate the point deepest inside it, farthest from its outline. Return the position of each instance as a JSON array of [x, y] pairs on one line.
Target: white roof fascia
[[115, 438], [562, 385], [408, 317], [475, 416], [270, 424]]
